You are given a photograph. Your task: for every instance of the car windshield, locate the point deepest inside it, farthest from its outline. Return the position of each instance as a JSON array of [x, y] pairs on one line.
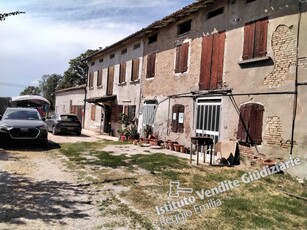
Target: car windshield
[[69, 118], [21, 115]]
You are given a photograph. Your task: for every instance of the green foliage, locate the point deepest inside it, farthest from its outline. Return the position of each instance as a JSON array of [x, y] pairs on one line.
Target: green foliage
[[31, 90], [48, 85], [76, 74]]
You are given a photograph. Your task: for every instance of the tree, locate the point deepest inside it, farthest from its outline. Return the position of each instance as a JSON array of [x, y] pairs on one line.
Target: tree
[[76, 74], [31, 90], [48, 85], [5, 15]]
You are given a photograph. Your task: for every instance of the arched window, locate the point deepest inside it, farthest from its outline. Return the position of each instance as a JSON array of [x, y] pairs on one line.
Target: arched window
[[250, 124]]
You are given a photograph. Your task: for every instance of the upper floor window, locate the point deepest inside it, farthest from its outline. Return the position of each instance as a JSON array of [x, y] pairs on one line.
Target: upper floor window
[[91, 80], [255, 39], [124, 51], [122, 72], [250, 124], [151, 65], [112, 56], [99, 78], [182, 54], [135, 69], [100, 60], [215, 12], [152, 38], [136, 46], [93, 63], [248, 1], [184, 27]]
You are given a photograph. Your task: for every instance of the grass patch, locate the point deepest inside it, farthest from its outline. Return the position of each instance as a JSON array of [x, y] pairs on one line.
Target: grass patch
[[109, 160]]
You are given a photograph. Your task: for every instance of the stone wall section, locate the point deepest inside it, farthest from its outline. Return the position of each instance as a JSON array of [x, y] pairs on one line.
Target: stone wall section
[[285, 54]]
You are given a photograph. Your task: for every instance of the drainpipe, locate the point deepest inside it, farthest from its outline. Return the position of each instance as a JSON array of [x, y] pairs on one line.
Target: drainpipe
[[296, 81]]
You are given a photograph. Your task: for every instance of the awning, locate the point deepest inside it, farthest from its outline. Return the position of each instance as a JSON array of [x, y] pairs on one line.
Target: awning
[[101, 99]]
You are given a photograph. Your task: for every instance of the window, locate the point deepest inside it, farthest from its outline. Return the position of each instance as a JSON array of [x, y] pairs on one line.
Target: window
[[248, 1], [93, 63], [177, 118], [184, 27], [212, 60], [100, 60], [99, 78], [122, 72], [135, 70], [93, 112], [151, 65], [110, 80], [255, 39], [182, 54], [152, 38], [91, 80], [112, 56], [136, 46], [250, 124], [129, 111], [216, 12], [124, 51]]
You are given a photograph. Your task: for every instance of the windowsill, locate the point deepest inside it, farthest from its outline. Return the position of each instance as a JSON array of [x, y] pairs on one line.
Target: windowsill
[[183, 34], [122, 83], [150, 79], [184, 74], [99, 87], [135, 81], [266, 58], [91, 88]]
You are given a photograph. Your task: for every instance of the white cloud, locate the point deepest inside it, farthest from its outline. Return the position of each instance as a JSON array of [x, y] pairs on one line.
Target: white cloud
[[52, 32]]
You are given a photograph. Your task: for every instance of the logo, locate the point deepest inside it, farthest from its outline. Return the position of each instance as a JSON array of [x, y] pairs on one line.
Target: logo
[[175, 189], [24, 130]]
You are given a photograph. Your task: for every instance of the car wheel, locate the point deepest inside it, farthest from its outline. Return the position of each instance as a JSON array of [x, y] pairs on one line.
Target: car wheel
[[54, 132]]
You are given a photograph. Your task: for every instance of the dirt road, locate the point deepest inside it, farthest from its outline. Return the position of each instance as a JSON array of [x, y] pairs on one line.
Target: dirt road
[[39, 192]]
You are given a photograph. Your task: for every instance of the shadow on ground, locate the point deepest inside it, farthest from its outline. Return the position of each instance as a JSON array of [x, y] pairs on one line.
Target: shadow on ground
[[33, 147], [48, 201]]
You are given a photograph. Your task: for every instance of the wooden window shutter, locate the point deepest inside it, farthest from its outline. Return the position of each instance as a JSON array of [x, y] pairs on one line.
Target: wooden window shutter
[[180, 125], [122, 72], [175, 109], [261, 32], [205, 69], [151, 65], [249, 37], [91, 80], [93, 112], [184, 57], [135, 69], [115, 111], [243, 123], [99, 78], [217, 60], [110, 80], [177, 67], [255, 123]]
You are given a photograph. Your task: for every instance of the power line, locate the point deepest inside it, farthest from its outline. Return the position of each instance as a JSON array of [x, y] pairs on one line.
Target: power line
[[14, 85]]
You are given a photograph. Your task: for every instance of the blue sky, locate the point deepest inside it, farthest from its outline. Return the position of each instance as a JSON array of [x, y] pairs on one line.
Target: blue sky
[[52, 32]]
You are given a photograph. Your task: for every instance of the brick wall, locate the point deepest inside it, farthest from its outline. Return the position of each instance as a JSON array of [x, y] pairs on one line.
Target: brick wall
[[285, 54], [273, 131]]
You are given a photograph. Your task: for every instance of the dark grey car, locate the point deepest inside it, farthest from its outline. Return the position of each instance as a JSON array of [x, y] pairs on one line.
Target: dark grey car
[[23, 124], [64, 123]]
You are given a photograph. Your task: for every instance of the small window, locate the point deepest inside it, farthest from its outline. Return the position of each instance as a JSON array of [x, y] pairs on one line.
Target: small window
[[248, 1], [124, 51], [216, 12], [136, 46], [184, 27], [93, 63], [100, 60], [178, 118], [129, 111], [152, 38], [112, 56]]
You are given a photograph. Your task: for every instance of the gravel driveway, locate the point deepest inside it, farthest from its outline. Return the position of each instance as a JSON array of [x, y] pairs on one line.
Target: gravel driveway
[[38, 191]]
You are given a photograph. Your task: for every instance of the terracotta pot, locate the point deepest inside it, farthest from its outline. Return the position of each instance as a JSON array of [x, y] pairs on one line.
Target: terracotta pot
[[171, 146], [177, 147], [123, 138], [183, 149], [153, 142]]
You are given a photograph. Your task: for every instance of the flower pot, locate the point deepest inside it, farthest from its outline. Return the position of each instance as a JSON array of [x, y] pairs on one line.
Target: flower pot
[[177, 147], [123, 138], [153, 142], [171, 146], [183, 149]]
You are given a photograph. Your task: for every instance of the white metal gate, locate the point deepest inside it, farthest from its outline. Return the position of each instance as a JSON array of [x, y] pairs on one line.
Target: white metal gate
[[208, 117]]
